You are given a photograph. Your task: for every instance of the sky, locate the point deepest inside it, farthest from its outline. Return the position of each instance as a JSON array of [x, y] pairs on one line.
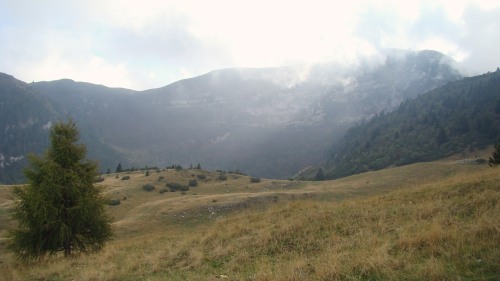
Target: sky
[[148, 44]]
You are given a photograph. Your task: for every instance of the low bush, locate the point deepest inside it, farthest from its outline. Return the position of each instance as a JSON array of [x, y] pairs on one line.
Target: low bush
[[193, 183], [124, 178], [163, 190], [254, 179], [148, 187], [177, 186], [201, 177], [480, 161], [222, 177], [99, 179], [113, 202]]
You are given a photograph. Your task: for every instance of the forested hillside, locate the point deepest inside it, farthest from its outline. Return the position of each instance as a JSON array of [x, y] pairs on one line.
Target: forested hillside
[[461, 116]]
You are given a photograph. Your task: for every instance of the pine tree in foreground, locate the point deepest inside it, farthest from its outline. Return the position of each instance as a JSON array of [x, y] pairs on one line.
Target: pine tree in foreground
[[60, 209]]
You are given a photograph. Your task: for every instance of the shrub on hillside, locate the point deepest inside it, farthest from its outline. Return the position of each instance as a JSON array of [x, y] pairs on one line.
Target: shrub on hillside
[[177, 186], [124, 178], [222, 177], [254, 179], [148, 187], [480, 161], [193, 183], [201, 177]]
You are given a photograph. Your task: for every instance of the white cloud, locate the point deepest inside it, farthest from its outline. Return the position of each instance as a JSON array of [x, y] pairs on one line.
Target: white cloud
[[444, 46], [146, 44]]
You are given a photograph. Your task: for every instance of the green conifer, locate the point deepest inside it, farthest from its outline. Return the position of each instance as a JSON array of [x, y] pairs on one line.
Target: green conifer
[[60, 209], [119, 168]]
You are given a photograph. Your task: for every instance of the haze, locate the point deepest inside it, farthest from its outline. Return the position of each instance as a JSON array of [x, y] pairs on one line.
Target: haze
[[148, 44]]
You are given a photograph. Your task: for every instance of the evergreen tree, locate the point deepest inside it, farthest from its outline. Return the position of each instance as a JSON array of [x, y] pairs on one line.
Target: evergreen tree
[[60, 209], [119, 168], [147, 173], [108, 171], [198, 167], [495, 158]]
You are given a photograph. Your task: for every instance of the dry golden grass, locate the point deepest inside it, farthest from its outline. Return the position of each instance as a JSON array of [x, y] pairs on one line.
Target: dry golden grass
[[426, 221]]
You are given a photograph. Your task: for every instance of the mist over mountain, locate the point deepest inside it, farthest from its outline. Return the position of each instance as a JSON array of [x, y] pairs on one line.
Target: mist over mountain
[[268, 122]]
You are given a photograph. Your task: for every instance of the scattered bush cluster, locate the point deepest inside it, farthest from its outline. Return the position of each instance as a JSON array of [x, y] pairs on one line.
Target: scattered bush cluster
[[124, 178], [222, 177], [193, 183], [119, 169], [201, 177]]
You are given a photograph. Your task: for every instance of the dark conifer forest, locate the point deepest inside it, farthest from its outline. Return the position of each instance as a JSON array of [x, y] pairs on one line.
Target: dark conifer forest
[[462, 116]]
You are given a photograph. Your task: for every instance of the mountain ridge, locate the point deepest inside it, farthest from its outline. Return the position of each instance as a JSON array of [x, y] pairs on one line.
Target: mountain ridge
[[267, 122]]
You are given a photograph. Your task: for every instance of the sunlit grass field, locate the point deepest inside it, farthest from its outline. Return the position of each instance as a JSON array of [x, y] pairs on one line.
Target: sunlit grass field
[[427, 221]]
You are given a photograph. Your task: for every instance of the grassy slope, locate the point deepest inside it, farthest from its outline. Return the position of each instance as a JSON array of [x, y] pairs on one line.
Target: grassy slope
[[428, 221]]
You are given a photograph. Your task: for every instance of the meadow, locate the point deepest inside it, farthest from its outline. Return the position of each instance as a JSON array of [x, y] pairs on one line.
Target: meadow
[[426, 221]]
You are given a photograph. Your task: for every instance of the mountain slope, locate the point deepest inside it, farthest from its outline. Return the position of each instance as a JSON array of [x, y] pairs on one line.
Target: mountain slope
[[462, 115], [268, 122], [25, 118], [273, 122]]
